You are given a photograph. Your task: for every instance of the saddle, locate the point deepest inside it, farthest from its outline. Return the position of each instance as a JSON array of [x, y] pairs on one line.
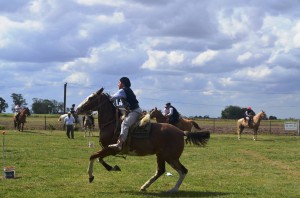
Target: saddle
[[248, 121], [140, 130]]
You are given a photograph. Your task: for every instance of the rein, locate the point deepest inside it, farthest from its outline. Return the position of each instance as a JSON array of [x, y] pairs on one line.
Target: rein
[[102, 126]]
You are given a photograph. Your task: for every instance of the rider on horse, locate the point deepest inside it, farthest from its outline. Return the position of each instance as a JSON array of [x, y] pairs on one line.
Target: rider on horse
[[72, 110], [18, 109], [171, 113], [90, 116], [133, 110], [249, 114]]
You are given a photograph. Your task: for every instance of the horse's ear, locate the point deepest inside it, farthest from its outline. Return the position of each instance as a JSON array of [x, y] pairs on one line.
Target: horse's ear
[[100, 91]]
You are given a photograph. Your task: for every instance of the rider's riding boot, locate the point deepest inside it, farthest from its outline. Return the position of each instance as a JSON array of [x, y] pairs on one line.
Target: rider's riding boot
[[118, 145]]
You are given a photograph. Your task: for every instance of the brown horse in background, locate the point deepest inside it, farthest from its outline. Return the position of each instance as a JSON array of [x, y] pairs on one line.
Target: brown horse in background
[[183, 124], [254, 124], [164, 140], [21, 119]]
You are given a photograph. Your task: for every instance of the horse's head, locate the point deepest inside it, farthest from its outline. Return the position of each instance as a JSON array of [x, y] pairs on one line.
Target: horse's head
[[90, 103], [27, 111], [154, 112], [262, 115], [95, 102]]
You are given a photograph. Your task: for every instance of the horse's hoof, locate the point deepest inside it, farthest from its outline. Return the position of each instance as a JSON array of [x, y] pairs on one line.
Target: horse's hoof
[[116, 168], [143, 190], [172, 190], [91, 179]]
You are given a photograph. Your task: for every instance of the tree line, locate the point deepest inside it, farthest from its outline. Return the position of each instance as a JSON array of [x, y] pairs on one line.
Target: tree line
[[39, 106], [46, 106]]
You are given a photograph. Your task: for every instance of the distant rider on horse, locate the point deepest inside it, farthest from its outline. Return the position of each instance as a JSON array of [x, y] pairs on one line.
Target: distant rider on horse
[[90, 116], [18, 109], [171, 113], [249, 114], [73, 112]]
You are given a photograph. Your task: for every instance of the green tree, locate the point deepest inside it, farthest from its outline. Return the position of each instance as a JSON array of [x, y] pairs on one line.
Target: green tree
[[233, 112], [17, 99], [3, 105], [45, 106]]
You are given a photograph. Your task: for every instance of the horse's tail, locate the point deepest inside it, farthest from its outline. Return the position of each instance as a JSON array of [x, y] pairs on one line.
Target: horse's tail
[[196, 125], [197, 138]]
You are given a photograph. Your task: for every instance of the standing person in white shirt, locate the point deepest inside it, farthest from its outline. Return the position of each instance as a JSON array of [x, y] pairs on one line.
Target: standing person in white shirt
[[69, 121]]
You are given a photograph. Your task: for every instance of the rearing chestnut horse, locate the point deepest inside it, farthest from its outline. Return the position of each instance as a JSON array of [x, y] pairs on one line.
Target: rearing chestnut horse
[[183, 124], [22, 119], [241, 124], [165, 141]]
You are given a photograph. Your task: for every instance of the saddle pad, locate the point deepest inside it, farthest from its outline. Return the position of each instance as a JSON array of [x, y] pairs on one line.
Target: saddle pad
[[140, 132]]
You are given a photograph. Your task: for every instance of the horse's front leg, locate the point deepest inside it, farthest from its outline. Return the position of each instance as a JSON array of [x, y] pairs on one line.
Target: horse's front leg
[[107, 166], [255, 135], [90, 170], [239, 131], [100, 155]]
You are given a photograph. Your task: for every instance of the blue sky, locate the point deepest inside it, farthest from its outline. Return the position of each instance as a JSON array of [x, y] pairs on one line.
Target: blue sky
[[201, 56]]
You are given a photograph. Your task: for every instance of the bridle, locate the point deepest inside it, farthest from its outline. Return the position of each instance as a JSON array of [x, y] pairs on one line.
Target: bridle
[[116, 120]]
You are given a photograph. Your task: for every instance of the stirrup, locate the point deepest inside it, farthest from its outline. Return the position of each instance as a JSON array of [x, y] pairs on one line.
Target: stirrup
[[115, 146]]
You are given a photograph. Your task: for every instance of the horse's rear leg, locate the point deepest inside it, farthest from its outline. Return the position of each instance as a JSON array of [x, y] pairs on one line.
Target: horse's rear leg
[[91, 132], [182, 171], [161, 168]]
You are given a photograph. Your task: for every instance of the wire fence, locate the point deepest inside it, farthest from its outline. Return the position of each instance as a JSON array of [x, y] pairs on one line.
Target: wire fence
[[219, 126]]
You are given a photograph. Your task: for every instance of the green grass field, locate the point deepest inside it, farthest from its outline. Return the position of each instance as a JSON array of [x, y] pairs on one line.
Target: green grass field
[[50, 165]]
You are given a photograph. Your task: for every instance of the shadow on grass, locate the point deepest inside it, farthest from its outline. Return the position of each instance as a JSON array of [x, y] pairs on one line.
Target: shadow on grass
[[181, 194], [265, 140], [32, 132]]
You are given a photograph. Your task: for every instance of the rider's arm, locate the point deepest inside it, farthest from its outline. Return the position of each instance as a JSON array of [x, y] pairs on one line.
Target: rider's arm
[[118, 95], [117, 98], [170, 111]]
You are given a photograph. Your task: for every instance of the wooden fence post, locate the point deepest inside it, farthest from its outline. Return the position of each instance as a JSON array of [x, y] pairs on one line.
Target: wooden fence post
[[45, 123]]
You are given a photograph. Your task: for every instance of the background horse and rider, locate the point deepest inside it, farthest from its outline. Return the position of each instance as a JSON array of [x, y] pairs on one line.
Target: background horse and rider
[[79, 120], [164, 140], [254, 124], [20, 119], [183, 124], [88, 125]]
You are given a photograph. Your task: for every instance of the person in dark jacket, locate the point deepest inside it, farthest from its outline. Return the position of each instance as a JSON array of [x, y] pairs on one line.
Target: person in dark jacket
[[171, 113], [73, 112], [130, 104], [249, 114]]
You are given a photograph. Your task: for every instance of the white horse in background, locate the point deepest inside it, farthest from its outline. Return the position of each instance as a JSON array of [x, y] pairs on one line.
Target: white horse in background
[[79, 119], [88, 125]]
